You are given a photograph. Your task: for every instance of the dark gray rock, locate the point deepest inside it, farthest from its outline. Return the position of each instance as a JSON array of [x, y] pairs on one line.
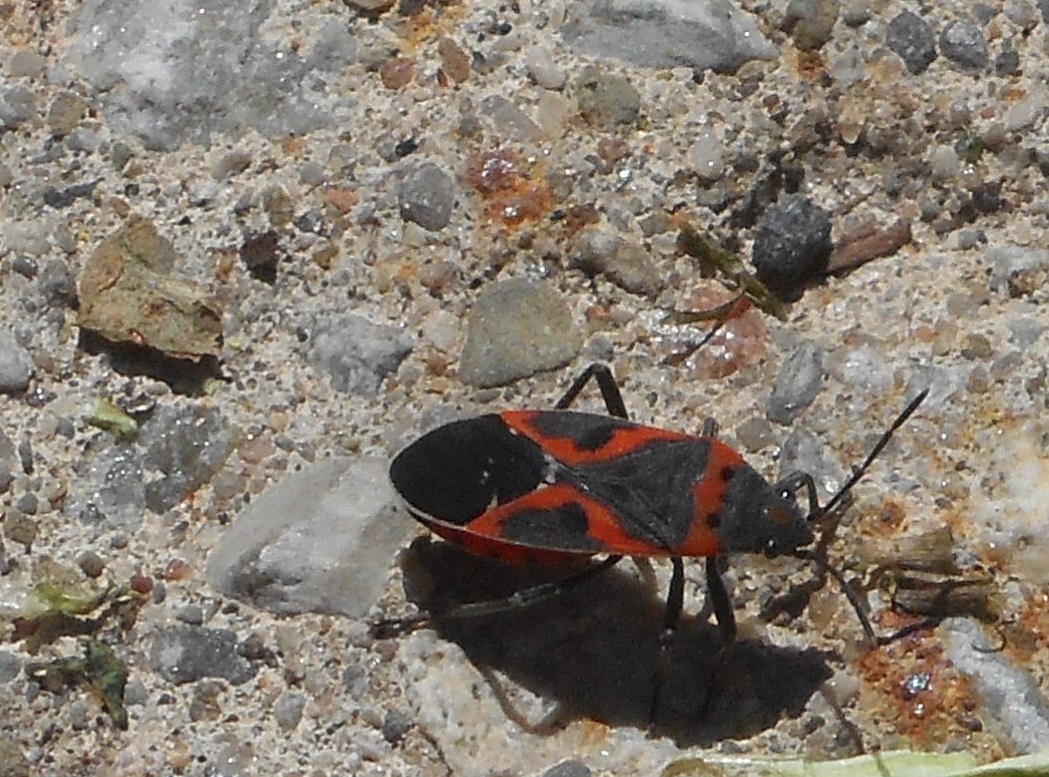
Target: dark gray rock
[[427, 196], [188, 445], [964, 44], [911, 38], [185, 654], [570, 768], [792, 243]]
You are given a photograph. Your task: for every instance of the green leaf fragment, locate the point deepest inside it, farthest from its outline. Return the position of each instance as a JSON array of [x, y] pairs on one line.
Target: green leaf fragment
[[111, 418], [50, 598], [714, 259], [100, 670]]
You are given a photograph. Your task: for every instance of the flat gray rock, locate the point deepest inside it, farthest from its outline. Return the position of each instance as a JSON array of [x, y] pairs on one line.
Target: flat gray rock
[[700, 34], [516, 328], [321, 540]]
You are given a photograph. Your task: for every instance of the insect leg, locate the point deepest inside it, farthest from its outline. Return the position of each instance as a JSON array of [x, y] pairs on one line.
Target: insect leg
[[794, 482], [602, 373], [390, 627], [671, 616], [720, 601]]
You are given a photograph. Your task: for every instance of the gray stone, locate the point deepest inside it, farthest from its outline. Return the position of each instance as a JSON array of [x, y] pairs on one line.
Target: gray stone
[[964, 44], [16, 368], [571, 768], [188, 445], [628, 265], [606, 100], [911, 38], [811, 22], [356, 353], [700, 34], [165, 72], [509, 120], [516, 328], [17, 106], [1013, 703], [185, 654], [10, 666], [797, 384], [427, 197], [321, 540], [288, 709]]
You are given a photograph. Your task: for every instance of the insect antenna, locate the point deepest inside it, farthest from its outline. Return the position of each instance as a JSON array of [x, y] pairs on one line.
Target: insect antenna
[[830, 515], [860, 471]]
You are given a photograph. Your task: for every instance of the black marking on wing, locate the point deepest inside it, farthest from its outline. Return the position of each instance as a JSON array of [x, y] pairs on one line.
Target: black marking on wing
[[459, 470], [564, 526], [588, 431]]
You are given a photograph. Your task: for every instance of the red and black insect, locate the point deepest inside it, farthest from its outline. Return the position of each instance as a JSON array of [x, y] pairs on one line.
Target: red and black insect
[[547, 486]]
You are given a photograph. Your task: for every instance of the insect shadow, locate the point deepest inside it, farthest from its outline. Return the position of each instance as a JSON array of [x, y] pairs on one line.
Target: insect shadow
[[592, 650]]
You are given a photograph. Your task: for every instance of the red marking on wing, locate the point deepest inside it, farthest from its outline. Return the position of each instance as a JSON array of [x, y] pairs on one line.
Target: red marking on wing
[[508, 552], [708, 494], [603, 534], [622, 441]]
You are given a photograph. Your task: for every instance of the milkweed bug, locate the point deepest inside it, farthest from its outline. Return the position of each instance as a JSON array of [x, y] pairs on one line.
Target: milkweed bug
[[548, 486]]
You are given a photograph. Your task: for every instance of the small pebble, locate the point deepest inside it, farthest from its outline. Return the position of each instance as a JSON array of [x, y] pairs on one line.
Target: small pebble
[[19, 528], [543, 70], [797, 384], [66, 111], [606, 100], [755, 433], [16, 367], [91, 564], [288, 709], [395, 725], [454, 61], [963, 43], [28, 503], [10, 666], [26, 64], [792, 243], [570, 768], [427, 197], [516, 328], [911, 38], [811, 22], [192, 614], [397, 73]]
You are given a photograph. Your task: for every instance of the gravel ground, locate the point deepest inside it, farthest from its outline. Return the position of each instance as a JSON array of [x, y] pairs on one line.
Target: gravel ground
[[250, 252]]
